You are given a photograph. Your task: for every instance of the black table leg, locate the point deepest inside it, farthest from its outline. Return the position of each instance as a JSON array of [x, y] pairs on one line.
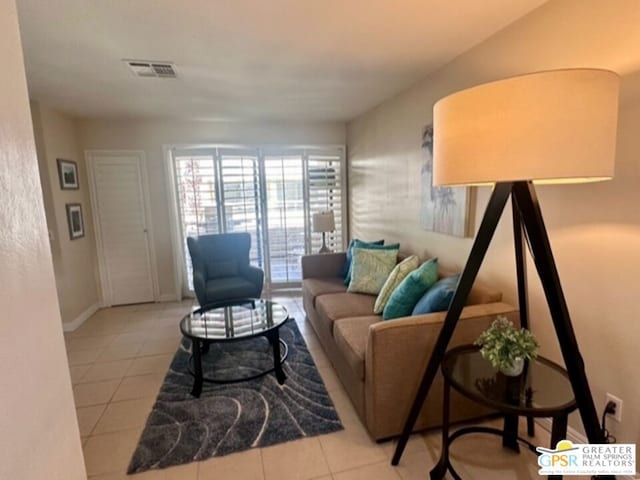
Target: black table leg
[[558, 429], [558, 432], [274, 339], [528, 395], [510, 433], [438, 472], [531, 429], [197, 369]]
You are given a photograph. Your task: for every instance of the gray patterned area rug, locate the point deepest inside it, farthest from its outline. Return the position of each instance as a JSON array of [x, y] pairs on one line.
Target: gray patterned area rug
[[235, 417]]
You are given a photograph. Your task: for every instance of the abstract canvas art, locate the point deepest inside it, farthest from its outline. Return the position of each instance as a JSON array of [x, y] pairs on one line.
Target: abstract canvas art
[[443, 209]]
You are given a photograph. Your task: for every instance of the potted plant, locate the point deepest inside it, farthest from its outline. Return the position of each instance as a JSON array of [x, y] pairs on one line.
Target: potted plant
[[507, 347]]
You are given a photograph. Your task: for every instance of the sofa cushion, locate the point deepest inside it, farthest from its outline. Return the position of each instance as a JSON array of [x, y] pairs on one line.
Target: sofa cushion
[[370, 268], [482, 294], [314, 287], [400, 271], [479, 293], [334, 306], [371, 246], [407, 294], [351, 336], [438, 297], [347, 264]]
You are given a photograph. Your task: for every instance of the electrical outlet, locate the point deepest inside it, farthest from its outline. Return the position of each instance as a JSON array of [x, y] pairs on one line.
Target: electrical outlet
[[618, 415]]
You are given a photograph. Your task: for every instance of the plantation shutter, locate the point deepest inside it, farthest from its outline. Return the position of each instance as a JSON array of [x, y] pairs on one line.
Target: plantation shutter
[[240, 198], [325, 185], [196, 181], [270, 193], [284, 180]]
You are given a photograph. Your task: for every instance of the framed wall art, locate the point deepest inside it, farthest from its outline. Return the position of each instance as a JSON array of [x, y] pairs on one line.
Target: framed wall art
[[442, 209], [75, 220], [68, 173]]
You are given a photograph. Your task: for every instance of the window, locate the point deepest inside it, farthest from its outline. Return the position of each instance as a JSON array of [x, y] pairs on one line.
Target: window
[[325, 193], [270, 193]]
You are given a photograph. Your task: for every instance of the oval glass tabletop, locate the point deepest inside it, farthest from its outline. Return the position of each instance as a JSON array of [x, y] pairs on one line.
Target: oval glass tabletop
[[234, 321], [543, 389]]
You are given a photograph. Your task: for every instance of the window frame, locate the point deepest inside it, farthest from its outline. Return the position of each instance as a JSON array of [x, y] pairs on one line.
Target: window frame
[[177, 241]]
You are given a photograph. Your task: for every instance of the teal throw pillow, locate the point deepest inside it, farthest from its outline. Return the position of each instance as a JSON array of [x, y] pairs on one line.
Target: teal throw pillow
[[370, 269], [407, 294], [347, 265], [438, 298], [373, 246]]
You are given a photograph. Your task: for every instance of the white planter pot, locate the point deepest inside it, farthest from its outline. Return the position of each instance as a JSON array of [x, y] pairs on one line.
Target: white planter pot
[[515, 369]]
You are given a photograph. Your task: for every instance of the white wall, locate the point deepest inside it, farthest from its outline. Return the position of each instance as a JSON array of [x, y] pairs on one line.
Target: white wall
[[594, 228], [39, 435], [150, 136], [74, 261]]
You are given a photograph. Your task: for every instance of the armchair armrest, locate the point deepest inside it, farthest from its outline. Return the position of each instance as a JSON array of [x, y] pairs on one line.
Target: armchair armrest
[[396, 355], [199, 283], [323, 265], [254, 274]]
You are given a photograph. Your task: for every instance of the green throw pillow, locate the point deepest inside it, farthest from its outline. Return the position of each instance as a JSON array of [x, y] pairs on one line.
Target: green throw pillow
[[347, 264], [407, 294], [379, 245], [370, 269], [398, 274]]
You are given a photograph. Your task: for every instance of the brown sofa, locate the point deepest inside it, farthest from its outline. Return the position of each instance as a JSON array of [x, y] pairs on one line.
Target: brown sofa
[[380, 363]]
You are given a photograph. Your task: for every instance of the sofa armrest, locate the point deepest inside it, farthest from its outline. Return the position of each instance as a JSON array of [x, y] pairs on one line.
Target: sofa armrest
[[323, 265], [396, 356]]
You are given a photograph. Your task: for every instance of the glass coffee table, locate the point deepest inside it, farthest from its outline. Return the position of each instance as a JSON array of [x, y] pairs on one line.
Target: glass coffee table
[[235, 321], [543, 389]]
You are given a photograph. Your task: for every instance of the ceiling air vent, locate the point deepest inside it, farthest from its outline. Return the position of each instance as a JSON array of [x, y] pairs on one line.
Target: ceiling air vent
[[144, 68]]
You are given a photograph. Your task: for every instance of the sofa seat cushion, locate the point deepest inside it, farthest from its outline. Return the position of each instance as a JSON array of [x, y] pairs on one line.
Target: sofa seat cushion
[[351, 336], [229, 287], [335, 306], [314, 287]]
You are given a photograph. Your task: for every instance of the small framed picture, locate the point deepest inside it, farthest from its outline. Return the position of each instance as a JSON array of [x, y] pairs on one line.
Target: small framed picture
[[75, 220], [68, 172]]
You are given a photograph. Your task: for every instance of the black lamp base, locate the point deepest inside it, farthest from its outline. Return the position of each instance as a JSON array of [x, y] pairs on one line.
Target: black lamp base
[[324, 248], [527, 210]]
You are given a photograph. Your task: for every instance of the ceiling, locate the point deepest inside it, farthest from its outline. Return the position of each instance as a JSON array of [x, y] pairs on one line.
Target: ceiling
[[303, 60]]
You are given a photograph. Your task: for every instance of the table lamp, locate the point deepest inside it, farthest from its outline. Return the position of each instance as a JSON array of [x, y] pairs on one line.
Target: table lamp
[[323, 222], [548, 127]]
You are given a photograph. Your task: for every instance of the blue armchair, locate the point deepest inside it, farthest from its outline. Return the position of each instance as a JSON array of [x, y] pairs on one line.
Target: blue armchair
[[221, 270]]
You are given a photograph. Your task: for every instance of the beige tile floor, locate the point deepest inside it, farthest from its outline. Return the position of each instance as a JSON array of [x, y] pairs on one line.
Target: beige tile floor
[[119, 357]]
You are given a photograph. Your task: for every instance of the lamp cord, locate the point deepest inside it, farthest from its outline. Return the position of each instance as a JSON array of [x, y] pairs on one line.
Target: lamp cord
[[608, 438]]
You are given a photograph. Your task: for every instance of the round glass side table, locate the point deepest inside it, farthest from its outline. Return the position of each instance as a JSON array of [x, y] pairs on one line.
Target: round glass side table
[[543, 389]]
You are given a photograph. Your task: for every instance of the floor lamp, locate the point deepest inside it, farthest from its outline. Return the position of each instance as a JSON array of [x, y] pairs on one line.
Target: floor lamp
[[548, 127]]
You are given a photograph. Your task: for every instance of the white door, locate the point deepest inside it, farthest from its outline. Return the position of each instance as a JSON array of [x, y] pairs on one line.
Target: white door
[[118, 197]]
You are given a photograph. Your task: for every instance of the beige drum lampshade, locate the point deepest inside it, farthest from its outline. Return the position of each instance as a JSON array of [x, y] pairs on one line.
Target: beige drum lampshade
[[550, 127], [323, 222]]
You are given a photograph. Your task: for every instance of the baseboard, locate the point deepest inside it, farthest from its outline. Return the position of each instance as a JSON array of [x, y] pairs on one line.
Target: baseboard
[[572, 434], [80, 319], [168, 297], [576, 437]]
